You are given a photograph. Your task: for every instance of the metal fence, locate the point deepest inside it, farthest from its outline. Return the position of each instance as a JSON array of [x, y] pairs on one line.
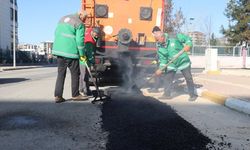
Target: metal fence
[[236, 51]]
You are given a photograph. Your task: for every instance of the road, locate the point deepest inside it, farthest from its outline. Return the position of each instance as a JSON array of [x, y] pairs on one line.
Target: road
[[29, 119]]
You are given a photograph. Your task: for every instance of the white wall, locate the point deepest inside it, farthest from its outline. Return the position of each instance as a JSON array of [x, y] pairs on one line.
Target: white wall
[[223, 62]]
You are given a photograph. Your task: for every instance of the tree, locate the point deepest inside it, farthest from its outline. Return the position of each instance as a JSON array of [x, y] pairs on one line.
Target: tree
[[213, 40], [238, 14], [172, 22]]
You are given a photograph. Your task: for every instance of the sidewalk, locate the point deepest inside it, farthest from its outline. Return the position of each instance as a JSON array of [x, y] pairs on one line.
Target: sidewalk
[[230, 88]]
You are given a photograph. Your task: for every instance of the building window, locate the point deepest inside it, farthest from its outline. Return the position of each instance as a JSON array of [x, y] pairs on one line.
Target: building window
[[12, 14], [11, 1], [11, 46], [16, 15]]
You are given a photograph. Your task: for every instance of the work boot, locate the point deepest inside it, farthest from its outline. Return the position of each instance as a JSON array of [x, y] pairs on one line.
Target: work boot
[[165, 96], [59, 99], [88, 93], [80, 98], [81, 91], [192, 98], [153, 90]]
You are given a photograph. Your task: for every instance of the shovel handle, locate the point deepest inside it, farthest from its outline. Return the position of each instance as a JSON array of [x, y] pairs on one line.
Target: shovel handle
[[173, 59], [92, 78]]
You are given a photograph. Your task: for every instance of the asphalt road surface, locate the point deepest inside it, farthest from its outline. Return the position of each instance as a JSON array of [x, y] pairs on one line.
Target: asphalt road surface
[[29, 119]]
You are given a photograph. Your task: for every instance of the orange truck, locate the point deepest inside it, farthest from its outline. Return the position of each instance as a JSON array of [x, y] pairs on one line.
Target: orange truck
[[126, 27]]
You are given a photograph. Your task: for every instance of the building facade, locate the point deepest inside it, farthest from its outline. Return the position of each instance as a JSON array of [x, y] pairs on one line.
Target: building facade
[[46, 47], [8, 19], [198, 38], [27, 47], [37, 52]]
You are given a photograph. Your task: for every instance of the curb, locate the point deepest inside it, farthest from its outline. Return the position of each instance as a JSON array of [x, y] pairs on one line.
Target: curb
[[239, 105], [230, 102], [17, 68]]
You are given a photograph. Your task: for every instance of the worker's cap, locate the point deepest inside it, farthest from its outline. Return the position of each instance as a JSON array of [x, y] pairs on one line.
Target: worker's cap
[[96, 30], [155, 29]]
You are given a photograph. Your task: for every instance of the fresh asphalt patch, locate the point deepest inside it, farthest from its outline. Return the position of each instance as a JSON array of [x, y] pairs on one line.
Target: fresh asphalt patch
[[136, 122]]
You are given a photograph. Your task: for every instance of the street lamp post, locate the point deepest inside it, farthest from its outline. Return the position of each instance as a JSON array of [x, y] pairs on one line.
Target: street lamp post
[[14, 35], [191, 28]]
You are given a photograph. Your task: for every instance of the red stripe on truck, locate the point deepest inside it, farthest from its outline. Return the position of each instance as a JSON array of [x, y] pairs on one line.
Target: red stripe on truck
[[131, 48]]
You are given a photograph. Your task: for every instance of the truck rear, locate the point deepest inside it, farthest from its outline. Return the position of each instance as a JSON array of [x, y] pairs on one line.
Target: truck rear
[[126, 40]]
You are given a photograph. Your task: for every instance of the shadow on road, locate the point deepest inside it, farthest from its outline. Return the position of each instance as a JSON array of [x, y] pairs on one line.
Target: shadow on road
[[42, 124], [12, 80]]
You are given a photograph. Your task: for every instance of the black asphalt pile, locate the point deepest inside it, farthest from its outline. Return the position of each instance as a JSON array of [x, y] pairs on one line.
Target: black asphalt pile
[[135, 122]]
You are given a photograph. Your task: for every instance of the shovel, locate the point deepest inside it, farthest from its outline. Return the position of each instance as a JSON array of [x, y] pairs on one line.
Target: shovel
[[97, 92], [165, 67]]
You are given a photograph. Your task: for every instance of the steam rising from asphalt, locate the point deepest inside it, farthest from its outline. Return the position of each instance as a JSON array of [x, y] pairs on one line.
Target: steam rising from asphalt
[[134, 78], [130, 73]]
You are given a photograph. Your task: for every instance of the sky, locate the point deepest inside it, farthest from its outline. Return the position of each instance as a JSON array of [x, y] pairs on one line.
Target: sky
[[205, 14], [37, 19]]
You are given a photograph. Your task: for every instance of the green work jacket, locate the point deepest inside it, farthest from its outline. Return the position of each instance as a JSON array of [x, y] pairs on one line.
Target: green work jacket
[[69, 37], [174, 44], [90, 49]]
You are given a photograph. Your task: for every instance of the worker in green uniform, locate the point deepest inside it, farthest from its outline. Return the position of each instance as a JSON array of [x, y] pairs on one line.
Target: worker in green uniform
[[168, 46], [91, 37], [69, 48]]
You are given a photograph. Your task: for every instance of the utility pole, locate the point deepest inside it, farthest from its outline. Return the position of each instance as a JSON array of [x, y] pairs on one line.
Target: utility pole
[[191, 23], [209, 33], [14, 35]]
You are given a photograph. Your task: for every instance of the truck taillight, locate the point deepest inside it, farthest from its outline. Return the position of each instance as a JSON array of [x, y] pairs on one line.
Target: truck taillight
[[97, 60]]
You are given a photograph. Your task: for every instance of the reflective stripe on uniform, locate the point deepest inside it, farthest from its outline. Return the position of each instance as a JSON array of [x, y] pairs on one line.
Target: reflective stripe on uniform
[[170, 68], [60, 53], [68, 35], [80, 47], [184, 66]]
